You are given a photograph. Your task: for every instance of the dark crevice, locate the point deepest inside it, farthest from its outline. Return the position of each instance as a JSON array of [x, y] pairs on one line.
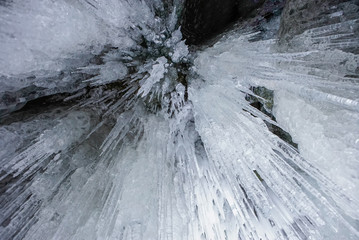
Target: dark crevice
[[203, 19], [262, 99]]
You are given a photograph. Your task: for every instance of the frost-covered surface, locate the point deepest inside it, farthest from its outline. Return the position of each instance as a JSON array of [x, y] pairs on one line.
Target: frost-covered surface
[[52, 47], [312, 103], [144, 148]]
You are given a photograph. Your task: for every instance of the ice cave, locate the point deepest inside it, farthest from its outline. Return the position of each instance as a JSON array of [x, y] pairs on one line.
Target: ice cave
[[179, 119]]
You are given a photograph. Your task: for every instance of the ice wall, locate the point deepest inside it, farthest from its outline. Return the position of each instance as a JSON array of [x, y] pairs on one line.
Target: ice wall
[[55, 47], [315, 100]]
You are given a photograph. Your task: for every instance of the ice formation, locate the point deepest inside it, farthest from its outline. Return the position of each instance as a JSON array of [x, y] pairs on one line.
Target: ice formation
[[122, 132]]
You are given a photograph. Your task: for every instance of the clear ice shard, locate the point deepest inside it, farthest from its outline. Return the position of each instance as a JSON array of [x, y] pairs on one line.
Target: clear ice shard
[[111, 127]]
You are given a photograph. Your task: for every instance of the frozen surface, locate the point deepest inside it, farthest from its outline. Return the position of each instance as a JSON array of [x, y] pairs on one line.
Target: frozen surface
[[46, 35], [318, 105], [151, 141]]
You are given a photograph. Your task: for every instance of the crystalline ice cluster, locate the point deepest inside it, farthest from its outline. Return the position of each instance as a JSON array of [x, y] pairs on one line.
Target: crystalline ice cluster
[[111, 127]]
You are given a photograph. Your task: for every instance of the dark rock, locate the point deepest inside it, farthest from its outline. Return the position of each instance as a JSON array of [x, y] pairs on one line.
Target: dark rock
[[203, 19], [262, 99], [301, 15]]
